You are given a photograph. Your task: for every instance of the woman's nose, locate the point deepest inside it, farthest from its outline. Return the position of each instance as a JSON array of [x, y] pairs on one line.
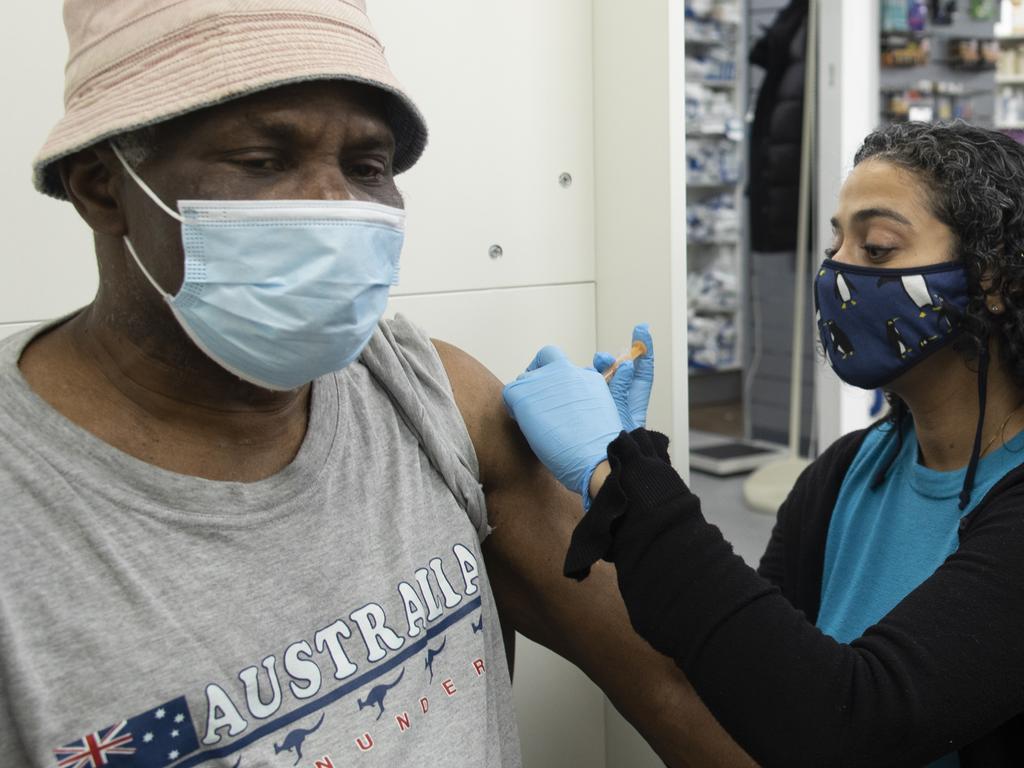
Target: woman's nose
[[843, 255]]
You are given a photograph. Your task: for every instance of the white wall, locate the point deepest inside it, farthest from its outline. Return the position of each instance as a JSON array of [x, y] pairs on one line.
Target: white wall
[[48, 254], [640, 214], [848, 67], [506, 91]]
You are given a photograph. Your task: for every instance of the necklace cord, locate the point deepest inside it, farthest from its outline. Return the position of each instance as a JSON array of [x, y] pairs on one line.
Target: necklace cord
[[1002, 429]]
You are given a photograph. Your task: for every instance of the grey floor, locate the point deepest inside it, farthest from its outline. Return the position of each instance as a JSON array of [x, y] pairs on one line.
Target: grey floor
[[721, 501]]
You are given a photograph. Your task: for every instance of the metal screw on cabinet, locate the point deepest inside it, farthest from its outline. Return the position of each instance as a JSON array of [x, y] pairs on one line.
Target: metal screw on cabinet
[[497, 251], [565, 180]]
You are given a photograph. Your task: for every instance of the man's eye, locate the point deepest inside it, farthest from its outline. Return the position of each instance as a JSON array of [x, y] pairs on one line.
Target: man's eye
[[262, 164], [368, 171]]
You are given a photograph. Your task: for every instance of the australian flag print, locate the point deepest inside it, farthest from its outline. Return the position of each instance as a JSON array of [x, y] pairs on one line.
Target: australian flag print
[[154, 739]]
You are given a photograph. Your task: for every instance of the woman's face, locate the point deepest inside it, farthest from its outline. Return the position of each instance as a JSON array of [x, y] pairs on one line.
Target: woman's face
[[884, 220]]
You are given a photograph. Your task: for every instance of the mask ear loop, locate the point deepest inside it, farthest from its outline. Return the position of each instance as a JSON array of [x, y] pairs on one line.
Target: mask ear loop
[[154, 283], [144, 187], [972, 466], [163, 206]]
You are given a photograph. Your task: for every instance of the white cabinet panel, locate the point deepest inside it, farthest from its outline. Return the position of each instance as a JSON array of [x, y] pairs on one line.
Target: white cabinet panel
[[503, 329], [560, 711], [507, 91], [48, 256]]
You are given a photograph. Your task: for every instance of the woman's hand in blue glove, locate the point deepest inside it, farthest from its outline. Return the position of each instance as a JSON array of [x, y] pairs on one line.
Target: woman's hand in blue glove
[[567, 415], [631, 383]]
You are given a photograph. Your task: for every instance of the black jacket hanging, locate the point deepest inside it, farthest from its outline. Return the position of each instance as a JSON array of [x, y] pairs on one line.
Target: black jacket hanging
[[776, 132]]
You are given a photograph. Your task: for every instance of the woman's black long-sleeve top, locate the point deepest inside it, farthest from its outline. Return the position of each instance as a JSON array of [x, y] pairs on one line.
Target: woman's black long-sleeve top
[[943, 671]]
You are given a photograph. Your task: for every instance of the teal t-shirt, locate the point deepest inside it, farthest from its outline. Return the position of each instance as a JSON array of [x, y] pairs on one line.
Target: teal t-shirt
[[882, 544]]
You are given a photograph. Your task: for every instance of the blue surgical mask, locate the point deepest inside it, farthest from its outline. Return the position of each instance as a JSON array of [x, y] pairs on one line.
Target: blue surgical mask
[[280, 292], [876, 323]]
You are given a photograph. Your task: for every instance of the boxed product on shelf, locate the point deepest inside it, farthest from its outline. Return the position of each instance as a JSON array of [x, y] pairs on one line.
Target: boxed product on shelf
[[984, 10], [712, 65], [1010, 107], [727, 11], [894, 17], [1011, 59], [712, 342], [1011, 20], [973, 53], [711, 110], [927, 101], [712, 161], [712, 290], [709, 32], [715, 220], [905, 51]]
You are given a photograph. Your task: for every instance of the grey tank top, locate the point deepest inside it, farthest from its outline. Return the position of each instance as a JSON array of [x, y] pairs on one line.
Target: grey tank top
[[337, 613]]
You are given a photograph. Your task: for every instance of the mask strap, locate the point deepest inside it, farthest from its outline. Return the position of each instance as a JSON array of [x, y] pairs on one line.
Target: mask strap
[[901, 410], [142, 185], [154, 283], [152, 196], [972, 465]]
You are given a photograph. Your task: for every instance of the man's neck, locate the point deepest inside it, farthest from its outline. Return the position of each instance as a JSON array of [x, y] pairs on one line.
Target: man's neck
[[211, 426]]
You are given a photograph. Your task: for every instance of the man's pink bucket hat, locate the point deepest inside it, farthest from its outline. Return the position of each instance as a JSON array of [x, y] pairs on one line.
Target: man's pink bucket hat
[[133, 63]]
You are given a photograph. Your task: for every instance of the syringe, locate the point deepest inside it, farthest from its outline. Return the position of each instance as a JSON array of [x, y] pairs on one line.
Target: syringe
[[637, 350]]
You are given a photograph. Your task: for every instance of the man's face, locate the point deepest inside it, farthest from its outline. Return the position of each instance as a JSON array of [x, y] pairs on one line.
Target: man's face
[[310, 141]]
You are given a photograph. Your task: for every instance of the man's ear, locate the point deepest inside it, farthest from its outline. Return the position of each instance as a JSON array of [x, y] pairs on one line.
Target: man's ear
[[92, 182]]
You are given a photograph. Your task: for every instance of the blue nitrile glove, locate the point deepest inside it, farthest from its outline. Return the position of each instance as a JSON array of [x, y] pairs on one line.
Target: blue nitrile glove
[[567, 415], [631, 383]]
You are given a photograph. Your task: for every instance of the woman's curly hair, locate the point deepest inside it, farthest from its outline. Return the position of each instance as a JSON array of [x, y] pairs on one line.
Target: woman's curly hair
[[974, 180]]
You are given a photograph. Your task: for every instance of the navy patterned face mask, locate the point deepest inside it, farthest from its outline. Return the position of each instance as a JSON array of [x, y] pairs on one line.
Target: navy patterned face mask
[[876, 323]]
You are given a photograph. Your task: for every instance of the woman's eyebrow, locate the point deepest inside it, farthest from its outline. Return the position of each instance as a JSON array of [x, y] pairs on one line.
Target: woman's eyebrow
[[880, 213], [872, 213]]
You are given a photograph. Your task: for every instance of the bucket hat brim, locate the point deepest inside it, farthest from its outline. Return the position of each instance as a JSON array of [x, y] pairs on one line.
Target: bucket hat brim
[[217, 59]]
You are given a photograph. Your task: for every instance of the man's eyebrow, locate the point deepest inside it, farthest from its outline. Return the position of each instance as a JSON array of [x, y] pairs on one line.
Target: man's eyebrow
[[272, 127], [373, 141], [285, 131]]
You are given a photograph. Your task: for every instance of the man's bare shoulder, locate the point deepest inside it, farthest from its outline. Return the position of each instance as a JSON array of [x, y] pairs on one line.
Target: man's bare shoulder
[[501, 450]]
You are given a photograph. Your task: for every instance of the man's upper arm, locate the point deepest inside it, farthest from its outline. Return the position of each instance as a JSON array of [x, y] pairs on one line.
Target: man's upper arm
[[533, 517], [522, 548]]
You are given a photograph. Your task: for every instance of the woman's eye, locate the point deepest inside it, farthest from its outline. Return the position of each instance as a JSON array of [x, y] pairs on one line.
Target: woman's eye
[[877, 252]]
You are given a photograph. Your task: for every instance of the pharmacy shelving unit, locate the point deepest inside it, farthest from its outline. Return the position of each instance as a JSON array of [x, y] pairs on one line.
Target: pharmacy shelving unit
[[1009, 98], [1009, 92], [944, 86], [716, 151]]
